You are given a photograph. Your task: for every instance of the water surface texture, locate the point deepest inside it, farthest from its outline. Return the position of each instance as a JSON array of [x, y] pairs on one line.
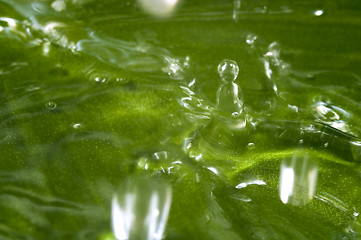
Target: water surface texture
[[193, 120]]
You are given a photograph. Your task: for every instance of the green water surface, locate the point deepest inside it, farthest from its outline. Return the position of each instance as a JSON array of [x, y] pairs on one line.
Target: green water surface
[[100, 92]]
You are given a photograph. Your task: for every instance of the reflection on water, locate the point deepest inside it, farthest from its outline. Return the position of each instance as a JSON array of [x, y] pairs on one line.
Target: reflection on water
[[140, 209], [158, 8], [298, 180], [265, 145]]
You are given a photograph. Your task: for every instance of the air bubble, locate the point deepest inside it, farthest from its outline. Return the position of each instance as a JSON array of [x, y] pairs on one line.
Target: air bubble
[[228, 70], [50, 105]]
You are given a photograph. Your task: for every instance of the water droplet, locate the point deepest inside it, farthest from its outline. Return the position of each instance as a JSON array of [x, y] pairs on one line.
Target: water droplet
[[251, 38], [50, 105], [100, 79], [251, 146], [77, 125], [327, 113], [163, 155], [186, 62], [173, 68], [318, 13], [236, 114], [292, 107], [228, 70]]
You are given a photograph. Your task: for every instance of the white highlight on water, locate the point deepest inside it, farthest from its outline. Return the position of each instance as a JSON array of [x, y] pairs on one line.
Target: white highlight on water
[[254, 182], [318, 13], [158, 8], [298, 180]]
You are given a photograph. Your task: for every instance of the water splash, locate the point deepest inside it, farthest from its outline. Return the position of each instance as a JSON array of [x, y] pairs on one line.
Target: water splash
[[228, 103], [333, 116]]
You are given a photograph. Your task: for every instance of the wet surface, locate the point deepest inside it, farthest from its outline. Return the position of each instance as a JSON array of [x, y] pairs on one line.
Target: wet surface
[[236, 120]]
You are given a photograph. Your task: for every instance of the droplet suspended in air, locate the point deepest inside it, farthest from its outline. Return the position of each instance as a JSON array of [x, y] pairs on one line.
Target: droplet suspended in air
[[229, 103], [228, 70]]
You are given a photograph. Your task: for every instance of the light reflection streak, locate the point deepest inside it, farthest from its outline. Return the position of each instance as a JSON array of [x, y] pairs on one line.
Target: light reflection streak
[[141, 210], [298, 180]]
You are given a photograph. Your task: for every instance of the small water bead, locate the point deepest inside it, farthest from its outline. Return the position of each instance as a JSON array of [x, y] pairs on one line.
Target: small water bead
[[100, 79], [251, 146], [228, 70], [327, 113], [103, 77], [77, 125], [251, 38], [51, 105], [318, 12], [236, 114], [186, 62], [174, 68]]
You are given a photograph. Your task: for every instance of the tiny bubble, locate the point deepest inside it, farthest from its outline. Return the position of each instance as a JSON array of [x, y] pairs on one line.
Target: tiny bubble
[[50, 105]]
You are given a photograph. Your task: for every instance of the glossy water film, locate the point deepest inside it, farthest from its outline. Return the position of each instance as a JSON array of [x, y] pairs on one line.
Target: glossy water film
[[173, 119]]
